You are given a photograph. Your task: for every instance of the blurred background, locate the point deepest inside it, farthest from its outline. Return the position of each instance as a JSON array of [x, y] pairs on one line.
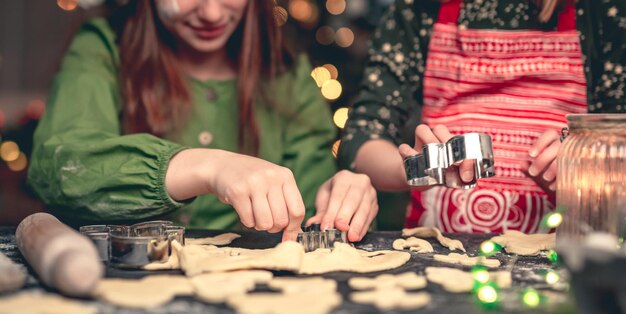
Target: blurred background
[[35, 33]]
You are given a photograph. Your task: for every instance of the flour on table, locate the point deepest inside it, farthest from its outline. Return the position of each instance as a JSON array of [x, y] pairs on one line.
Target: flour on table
[[463, 259]]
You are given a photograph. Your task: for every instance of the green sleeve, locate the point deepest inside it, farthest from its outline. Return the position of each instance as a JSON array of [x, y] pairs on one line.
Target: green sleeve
[[391, 90], [82, 166], [309, 136]]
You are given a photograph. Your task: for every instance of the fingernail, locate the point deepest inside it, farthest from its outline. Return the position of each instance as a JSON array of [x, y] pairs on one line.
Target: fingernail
[[532, 170], [467, 176], [553, 186], [548, 176], [325, 227], [532, 153]]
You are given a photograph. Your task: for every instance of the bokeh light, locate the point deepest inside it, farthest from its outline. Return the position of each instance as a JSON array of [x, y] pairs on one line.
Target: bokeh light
[[334, 73], [67, 5], [554, 219], [320, 75], [281, 16], [325, 35], [531, 297], [18, 164], [335, 148], [9, 151], [340, 117], [553, 256], [336, 7], [304, 11], [487, 294], [481, 275], [552, 277], [488, 248], [331, 89], [344, 37]]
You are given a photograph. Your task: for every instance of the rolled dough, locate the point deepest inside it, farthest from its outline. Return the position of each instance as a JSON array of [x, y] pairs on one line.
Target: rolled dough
[[222, 239], [463, 259], [519, 243], [346, 258], [151, 291], [281, 303], [37, 303], [456, 280], [218, 287], [196, 259], [393, 298], [173, 262], [408, 281], [432, 232], [414, 244]]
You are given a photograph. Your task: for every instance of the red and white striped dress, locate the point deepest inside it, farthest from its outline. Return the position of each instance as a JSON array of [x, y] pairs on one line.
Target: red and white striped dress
[[512, 85]]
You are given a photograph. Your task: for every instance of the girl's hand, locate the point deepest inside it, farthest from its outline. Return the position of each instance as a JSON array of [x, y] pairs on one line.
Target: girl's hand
[[439, 134], [347, 202], [543, 154], [264, 195]]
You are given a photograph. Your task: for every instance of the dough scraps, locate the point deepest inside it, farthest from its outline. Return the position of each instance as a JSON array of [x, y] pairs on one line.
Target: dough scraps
[[196, 259], [150, 291], [346, 258], [222, 239], [13, 275], [173, 262], [456, 280], [432, 232], [515, 242], [463, 259], [311, 285], [413, 244], [408, 281], [36, 303], [281, 303], [218, 287], [393, 298]]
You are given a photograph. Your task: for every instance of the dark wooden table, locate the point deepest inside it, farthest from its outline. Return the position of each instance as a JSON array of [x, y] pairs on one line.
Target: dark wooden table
[[526, 272]]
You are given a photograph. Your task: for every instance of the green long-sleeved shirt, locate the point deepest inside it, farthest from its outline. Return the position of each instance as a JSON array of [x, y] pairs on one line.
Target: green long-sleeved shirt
[[85, 168]]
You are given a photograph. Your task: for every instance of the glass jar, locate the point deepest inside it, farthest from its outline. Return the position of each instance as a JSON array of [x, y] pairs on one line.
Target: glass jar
[[591, 174]]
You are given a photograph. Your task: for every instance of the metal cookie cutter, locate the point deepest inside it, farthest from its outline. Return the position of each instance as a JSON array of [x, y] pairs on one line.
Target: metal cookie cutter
[[314, 238], [439, 162], [136, 245]]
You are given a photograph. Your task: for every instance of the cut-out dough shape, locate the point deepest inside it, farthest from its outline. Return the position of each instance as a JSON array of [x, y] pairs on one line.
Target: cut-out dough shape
[[218, 287], [36, 303], [312, 285], [432, 232], [413, 244], [394, 298], [515, 242], [463, 259], [408, 281], [173, 262], [281, 303], [196, 259], [222, 239], [457, 281], [346, 258], [151, 291]]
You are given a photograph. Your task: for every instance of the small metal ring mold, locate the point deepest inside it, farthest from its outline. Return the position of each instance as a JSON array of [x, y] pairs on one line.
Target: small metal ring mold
[[439, 162], [137, 245]]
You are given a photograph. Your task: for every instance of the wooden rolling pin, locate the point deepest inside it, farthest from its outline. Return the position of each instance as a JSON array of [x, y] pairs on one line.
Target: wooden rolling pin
[[62, 257]]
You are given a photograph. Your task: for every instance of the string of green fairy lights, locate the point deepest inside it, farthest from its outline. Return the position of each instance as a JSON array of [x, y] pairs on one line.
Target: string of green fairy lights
[[486, 290]]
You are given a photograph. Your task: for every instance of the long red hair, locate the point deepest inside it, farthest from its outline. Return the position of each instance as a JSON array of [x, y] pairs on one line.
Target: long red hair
[[156, 97]]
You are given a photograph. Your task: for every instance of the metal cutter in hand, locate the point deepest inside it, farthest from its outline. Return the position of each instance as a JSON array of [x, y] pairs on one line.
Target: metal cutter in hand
[[439, 163], [314, 238]]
